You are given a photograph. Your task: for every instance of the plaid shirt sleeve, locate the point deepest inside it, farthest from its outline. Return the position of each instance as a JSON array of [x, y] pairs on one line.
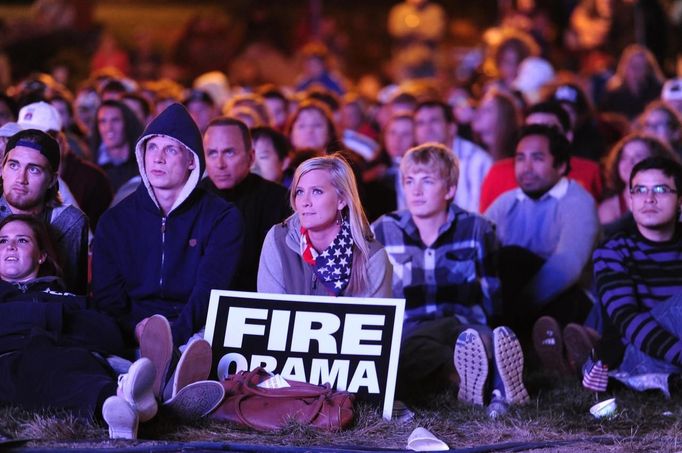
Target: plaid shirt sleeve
[[487, 270]]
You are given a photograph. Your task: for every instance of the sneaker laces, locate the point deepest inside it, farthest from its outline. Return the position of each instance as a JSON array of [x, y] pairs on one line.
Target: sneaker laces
[[122, 378]]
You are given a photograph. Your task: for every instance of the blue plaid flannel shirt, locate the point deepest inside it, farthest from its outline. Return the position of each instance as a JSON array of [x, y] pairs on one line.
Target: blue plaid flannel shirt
[[455, 276]]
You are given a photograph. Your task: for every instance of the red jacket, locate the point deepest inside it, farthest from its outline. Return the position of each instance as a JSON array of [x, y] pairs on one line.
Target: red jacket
[[502, 178]]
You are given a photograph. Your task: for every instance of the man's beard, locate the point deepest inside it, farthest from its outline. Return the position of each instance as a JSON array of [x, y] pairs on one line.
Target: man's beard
[[23, 203], [536, 194]]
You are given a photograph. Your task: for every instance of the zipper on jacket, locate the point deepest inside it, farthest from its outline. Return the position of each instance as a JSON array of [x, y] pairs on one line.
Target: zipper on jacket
[[163, 250], [314, 280]]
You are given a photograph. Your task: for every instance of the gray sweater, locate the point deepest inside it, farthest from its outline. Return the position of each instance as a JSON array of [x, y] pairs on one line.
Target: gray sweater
[[561, 227], [283, 271]]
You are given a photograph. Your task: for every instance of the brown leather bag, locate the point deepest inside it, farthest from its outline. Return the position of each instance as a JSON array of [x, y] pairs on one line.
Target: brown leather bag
[[267, 409]]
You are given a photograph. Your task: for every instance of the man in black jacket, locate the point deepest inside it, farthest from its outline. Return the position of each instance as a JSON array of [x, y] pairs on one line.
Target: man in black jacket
[[262, 203]]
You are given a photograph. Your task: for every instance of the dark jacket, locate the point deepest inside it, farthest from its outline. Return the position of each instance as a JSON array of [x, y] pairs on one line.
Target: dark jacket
[[89, 185], [41, 307], [262, 204], [145, 262], [68, 228]]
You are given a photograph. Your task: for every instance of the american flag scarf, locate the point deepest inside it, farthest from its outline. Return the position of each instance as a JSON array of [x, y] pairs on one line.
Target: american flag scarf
[[333, 265]]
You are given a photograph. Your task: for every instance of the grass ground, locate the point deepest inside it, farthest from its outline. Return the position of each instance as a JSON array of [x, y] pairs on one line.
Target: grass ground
[[558, 415]]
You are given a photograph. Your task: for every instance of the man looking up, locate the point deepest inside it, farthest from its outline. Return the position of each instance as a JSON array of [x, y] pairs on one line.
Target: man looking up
[[229, 155], [30, 186], [166, 246], [435, 122]]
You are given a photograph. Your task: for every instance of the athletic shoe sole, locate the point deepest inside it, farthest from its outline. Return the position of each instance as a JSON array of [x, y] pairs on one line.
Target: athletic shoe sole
[[509, 363], [471, 363], [196, 400], [194, 365], [549, 345], [156, 343], [121, 418]]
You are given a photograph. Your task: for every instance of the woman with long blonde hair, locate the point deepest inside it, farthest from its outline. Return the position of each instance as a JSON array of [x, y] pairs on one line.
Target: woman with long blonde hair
[[326, 247]]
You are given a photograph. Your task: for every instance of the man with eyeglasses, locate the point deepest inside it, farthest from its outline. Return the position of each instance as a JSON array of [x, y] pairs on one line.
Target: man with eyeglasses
[[639, 283]]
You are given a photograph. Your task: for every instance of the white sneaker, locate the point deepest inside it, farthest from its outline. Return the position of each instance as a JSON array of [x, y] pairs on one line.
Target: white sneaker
[[509, 364], [137, 388], [471, 363], [121, 418]]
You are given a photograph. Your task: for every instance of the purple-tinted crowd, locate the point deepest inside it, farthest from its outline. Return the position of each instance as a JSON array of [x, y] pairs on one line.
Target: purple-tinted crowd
[[530, 212]]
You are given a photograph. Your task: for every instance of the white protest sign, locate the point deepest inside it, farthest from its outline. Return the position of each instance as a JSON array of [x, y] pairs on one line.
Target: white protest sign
[[351, 343]]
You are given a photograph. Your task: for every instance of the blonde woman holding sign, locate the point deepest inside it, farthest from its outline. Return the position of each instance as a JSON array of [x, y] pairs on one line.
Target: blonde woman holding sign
[[326, 247]]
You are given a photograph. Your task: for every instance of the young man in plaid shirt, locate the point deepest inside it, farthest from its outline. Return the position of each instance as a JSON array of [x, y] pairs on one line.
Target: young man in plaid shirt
[[444, 265]]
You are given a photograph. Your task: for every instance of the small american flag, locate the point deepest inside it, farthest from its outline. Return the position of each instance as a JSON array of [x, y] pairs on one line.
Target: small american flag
[[595, 376]]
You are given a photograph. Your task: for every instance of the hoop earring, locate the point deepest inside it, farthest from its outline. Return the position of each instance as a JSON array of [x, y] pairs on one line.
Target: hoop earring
[[339, 217]]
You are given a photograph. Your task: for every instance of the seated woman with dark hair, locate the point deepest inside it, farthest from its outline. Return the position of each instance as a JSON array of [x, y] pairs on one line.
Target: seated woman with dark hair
[[52, 347]]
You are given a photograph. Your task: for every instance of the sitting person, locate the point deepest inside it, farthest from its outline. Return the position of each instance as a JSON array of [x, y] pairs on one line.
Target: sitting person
[[326, 247], [229, 154], [183, 242], [435, 122], [444, 265], [52, 347], [624, 155], [271, 152], [384, 188], [663, 121], [30, 186], [548, 228], [640, 285], [501, 178]]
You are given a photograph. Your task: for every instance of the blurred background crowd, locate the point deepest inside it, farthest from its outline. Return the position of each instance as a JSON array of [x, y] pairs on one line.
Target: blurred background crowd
[[605, 61]]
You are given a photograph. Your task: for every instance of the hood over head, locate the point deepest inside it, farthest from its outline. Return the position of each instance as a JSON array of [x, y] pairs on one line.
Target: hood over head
[[174, 122]]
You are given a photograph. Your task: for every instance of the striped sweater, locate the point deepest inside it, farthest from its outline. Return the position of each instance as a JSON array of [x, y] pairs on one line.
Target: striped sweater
[[633, 274]]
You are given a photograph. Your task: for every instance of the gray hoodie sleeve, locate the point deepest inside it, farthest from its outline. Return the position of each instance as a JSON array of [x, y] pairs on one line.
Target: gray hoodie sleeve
[[270, 275]]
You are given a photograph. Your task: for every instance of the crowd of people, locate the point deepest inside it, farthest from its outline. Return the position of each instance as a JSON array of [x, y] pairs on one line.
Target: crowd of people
[[519, 215]]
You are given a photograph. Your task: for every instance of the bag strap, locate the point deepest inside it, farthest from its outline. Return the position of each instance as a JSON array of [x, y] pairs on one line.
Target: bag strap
[[305, 391]]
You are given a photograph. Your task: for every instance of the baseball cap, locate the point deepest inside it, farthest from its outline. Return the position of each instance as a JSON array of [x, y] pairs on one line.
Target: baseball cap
[[9, 129], [571, 94], [41, 116], [39, 141], [534, 73]]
